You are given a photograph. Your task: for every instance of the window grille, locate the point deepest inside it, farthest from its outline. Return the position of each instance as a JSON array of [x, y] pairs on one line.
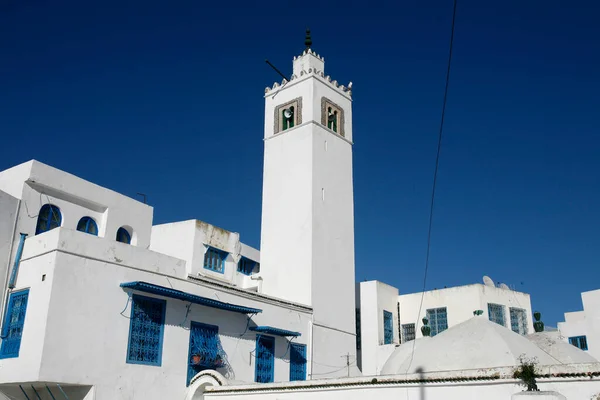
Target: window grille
[[438, 320], [214, 260], [388, 327], [123, 236], [496, 313], [49, 218], [358, 337], [265, 354], [87, 225], [206, 351], [146, 330], [579, 342], [246, 266], [297, 362], [408, 332], [518, 320], [13, 324]]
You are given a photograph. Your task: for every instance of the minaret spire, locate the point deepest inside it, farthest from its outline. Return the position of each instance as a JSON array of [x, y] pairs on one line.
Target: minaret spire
[[307, 39]]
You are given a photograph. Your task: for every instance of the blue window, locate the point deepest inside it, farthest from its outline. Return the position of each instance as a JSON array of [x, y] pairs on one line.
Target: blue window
[[205, 351], [214, 260], [408, 332], [87, 225], [496, 313], [246, 266], [49, 218], [123, 236], [388, 327], [265, 357], [518, 320], [438, 320], [579, 342], [13, 324], [146, 330], [297, 362]]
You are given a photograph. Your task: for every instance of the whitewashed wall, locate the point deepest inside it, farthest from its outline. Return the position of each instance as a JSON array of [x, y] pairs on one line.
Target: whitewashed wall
[[8, 214], [36, 184], [77, 322], [572, 389], [461, 301], [375, 297], [585, 323], [188, 240]]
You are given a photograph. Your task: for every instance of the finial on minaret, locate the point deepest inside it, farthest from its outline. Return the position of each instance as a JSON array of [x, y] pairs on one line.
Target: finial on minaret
[[307, 40]]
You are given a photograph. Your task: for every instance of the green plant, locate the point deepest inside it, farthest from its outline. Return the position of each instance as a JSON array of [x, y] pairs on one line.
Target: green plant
[[526, 373]]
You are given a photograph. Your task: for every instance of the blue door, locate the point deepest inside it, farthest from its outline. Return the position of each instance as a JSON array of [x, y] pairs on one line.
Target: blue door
[[265, 350]]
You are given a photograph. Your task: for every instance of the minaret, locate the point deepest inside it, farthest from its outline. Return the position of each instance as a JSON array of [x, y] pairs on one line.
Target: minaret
[[307, 238]]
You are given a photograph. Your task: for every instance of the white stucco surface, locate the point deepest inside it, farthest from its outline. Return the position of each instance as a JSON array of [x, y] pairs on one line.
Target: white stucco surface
[[555, 345], [585, 323], [475, 343]]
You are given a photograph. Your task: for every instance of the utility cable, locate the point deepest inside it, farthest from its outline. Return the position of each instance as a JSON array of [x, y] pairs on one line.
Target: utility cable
[[435, 173]]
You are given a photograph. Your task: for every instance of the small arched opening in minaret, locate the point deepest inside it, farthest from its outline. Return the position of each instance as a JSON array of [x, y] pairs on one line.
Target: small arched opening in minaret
[[332, 116], [288, 115]]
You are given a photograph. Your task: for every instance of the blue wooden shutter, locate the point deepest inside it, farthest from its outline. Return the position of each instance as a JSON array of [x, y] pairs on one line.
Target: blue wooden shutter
[[265, 350], [13, 325], [297, 362]]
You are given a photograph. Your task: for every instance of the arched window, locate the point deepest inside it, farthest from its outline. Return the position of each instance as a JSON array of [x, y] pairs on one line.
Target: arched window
[[48, 218], [123, 236], [87, 225]]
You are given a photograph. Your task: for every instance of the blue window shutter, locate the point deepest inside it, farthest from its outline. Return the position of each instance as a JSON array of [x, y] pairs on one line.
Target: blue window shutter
[[49, 218], [518, 320], [579, 342], [265, 358], [146, 330], [246, 266], [438, 320], [87, 225], [206, 351], [297, 362], [13, 324], [214, 260], [496, 313], [123, 236], [388, 328]]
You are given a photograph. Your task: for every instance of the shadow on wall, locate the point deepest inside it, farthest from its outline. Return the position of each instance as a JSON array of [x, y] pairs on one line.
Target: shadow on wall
[[422, 384]]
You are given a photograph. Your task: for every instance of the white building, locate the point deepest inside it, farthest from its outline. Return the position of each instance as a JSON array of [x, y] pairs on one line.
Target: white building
[[99, 304], [387, 319], [582, 328]]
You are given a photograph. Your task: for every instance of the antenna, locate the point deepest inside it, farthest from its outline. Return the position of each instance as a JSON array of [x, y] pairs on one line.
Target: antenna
[[487, 281], [276, 70], [504, 286]]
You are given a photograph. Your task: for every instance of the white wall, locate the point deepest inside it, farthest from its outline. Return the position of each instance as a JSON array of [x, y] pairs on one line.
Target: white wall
[[375, 297], [8, 206], [188, 240], [460, 302], [585, 323], [36, 184], [503, 389], [77, 321]]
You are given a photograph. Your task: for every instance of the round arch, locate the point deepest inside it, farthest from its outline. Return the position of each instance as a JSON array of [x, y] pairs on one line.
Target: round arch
[[201, 381]]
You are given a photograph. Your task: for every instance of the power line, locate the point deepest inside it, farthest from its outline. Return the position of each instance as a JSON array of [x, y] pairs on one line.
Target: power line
[[435, 173]]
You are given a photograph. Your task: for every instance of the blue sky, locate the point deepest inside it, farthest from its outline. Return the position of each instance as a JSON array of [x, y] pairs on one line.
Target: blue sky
[[166, 98]]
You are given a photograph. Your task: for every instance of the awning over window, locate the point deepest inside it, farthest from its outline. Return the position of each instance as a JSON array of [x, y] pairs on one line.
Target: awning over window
[[192, 298], [274, 331]]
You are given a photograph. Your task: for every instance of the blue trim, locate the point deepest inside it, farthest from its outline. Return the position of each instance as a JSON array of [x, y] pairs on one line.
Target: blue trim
[[274, 331], [13, 332], [297, 362], [88, 225], [213, 254], [265, 359], [192, 298], [579, 341], [388, 327], [49, 218], [204, 341], [246, 266], [123, 236], [13, 275], [147, 300]]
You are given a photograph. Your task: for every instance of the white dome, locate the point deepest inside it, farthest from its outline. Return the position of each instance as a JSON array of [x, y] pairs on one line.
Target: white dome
[[566, 353], [475, 343]]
